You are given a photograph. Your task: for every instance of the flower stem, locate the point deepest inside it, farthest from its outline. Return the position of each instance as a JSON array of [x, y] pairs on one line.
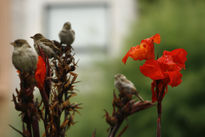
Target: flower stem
[[159, 111]]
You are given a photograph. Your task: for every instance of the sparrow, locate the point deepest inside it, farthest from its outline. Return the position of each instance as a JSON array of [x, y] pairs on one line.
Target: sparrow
[[67, 35], [124, 85], [45, 45], [24, 58]]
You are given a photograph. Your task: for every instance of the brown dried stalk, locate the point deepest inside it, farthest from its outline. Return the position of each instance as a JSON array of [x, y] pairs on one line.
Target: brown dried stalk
[[123, 106], [24, 103], [56, 94], [63, 80]]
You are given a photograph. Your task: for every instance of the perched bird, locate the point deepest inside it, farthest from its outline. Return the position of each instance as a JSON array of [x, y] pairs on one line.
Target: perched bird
[[24, 58], [67, 35], [124, 85], [47, 46]]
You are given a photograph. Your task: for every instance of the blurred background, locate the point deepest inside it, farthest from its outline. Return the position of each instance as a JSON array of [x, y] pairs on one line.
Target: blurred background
[[105, 30]]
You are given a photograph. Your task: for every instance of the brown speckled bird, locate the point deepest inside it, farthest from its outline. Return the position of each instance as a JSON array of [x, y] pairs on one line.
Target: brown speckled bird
[[24, 58], [123, 84], [47, 46]]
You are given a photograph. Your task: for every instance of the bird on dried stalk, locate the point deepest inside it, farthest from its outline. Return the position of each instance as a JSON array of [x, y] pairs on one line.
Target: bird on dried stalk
[[41, 43], [67, 35], [24, 58], [126, 86]]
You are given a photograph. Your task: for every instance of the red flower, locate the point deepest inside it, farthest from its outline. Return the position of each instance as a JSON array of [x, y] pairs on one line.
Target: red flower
[[165, 71], [40, 74], [143, 51]]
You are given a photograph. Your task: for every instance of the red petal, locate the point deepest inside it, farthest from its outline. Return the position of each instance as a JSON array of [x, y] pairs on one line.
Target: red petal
[[151, 69], [167, 64], [156, 38], [153, 39], [135, 53], [143, 51], [148, 48], [124, 60], [175, 78], [40, 72], [148, 44], [178, 55]]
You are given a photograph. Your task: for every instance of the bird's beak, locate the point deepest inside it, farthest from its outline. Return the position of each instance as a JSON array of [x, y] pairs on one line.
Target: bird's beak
[[12, 43], [31, 37]]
